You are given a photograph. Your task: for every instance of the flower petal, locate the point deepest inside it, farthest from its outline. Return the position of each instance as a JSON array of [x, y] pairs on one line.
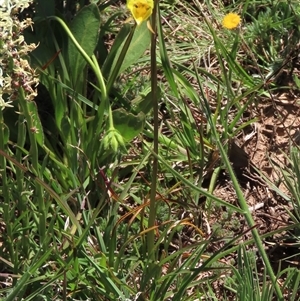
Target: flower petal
[[141, 10], [231, 21]]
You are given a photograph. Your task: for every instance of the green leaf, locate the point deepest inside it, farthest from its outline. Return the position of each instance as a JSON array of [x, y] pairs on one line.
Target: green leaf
[[115, 50], [5, 131], [127, 124], [85, 28], [297, 81], [37, 128], [143, 103], [139, 44], [164, 58]]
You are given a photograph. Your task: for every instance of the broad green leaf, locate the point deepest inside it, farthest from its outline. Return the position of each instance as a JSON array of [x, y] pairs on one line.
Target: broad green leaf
[[85, 28], [128, 125], [139, 44], [144, 103]]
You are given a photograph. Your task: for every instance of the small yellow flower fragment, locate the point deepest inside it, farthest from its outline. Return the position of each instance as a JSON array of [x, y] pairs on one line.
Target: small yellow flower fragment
[[231, 21], [141, 10]]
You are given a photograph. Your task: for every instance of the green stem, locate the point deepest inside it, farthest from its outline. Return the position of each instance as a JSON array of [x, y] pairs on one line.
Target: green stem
[[152, 210], [92, 63], [110, 118]]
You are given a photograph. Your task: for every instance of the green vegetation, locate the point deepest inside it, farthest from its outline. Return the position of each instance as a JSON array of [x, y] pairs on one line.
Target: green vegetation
[[141, 166]]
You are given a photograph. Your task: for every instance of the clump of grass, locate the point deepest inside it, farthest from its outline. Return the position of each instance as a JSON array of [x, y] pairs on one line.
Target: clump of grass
[[112, 198]]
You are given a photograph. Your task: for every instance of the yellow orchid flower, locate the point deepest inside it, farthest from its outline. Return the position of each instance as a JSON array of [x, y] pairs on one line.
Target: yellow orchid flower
[[141, 10]]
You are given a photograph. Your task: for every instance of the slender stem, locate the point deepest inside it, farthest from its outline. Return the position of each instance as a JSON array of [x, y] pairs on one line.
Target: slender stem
[[92, 64], [110, 118], [152, 211]]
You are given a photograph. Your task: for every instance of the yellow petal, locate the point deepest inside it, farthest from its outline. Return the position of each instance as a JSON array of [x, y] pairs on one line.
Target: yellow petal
[[231, 21], [141, 10]]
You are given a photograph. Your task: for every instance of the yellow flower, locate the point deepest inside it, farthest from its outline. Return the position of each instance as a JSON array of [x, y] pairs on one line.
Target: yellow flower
[[141, 10], [231, 21]]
